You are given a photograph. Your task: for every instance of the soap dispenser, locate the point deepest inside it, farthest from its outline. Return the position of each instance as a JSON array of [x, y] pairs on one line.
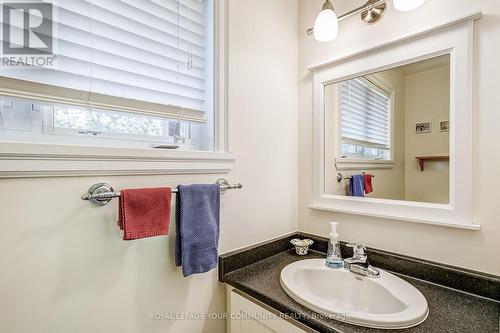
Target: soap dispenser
[[333, 256]]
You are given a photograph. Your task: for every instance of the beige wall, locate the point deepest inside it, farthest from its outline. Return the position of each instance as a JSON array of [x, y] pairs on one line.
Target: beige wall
[[427, 100], [64, 267], [476, 250], [389, 184]]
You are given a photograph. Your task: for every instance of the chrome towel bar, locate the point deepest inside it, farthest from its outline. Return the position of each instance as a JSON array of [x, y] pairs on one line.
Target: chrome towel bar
[[100, 194], [340, 177]]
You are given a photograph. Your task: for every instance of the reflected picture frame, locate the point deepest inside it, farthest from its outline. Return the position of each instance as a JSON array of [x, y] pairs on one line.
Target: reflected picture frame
[[422, 128], [444, 126]]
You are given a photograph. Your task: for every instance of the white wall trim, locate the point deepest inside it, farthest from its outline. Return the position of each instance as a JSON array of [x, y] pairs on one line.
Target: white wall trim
[[402, 217], [464, 18], [221, 123], [39, 160], [454, 38], [352, 164]]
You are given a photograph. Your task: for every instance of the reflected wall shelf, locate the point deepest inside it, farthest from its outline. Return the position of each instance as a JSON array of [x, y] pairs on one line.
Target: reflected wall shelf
[[423, 159]]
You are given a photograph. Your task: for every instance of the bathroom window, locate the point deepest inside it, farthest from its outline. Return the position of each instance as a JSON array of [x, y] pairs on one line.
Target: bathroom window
[[26, 121], [365, 120], [125, 74], [127, 88]]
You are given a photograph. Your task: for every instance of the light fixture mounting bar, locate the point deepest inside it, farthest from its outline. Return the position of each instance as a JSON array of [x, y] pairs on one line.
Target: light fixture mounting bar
[[367, 6]]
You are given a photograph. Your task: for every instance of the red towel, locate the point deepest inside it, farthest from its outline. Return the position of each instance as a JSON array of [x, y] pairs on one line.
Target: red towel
[[368, 183], [144, 212]]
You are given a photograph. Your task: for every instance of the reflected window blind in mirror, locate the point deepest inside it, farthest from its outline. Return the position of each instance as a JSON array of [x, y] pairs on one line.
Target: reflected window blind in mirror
[[125, 69], [365, 120]]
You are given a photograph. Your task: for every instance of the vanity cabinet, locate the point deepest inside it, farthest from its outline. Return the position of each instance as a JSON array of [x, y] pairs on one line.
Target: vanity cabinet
[[246, 315]]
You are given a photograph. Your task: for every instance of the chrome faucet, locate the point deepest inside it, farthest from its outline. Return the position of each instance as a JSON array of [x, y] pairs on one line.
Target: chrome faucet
[[358, 263]]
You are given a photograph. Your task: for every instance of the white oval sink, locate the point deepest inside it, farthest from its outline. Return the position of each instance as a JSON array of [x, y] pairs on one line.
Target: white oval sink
[[386, 302]]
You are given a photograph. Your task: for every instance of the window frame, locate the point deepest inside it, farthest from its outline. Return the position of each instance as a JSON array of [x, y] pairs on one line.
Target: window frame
[[350, 163], [19, 160]]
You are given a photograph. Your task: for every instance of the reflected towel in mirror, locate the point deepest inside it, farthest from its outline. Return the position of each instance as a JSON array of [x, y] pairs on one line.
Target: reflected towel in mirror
[[357, 185]]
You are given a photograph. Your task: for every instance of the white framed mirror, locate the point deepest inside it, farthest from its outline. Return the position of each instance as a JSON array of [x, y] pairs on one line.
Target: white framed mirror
[[393, 129]]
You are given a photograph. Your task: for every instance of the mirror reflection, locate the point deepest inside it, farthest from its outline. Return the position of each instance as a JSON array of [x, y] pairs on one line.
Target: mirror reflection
[[387, 134]]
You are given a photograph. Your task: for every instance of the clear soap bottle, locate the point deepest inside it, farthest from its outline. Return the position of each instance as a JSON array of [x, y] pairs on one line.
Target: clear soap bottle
[[333, 256]]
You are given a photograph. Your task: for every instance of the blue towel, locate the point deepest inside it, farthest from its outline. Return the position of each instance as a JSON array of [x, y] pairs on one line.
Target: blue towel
[[357, 186], [197, 228]]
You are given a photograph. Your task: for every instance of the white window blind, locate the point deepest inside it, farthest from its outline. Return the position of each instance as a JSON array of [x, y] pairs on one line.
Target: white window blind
[[365, 114], [145, 56]]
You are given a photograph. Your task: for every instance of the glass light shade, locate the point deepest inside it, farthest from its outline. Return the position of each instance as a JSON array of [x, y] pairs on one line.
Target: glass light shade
[[407, 5], [326, 27]]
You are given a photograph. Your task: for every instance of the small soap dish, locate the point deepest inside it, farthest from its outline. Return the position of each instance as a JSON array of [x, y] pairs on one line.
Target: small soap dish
[[301, 246]]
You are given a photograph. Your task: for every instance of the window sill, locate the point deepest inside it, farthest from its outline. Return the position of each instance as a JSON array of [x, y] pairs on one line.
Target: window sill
[[343, 164], [22, 160]]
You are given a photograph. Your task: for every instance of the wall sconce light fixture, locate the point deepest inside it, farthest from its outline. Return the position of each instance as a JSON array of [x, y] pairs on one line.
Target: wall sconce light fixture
[[326, 26]]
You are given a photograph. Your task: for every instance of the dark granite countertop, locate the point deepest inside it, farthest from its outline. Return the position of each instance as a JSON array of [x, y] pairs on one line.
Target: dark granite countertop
[[449, 310]]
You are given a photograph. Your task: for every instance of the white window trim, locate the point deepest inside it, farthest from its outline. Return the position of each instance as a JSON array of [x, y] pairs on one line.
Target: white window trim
[[455, 38], [346, 164], [21, 160]]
